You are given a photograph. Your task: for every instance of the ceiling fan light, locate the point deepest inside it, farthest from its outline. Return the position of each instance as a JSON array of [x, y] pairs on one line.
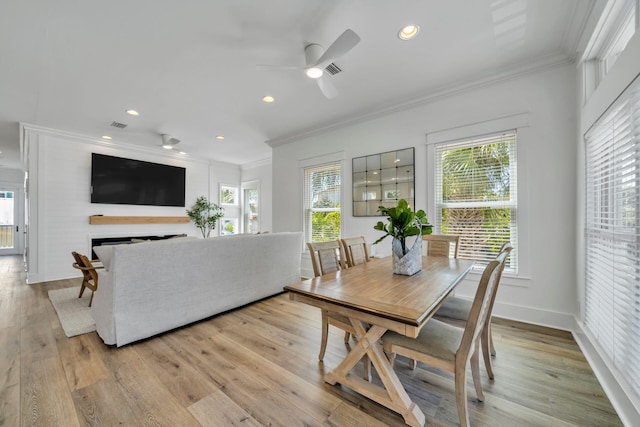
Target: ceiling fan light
[[408, 32], [314, 72], [167, 146]]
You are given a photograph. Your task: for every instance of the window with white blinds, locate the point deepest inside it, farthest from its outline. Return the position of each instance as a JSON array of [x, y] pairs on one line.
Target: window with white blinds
[[612, 233], [476, 195], [322, 202]]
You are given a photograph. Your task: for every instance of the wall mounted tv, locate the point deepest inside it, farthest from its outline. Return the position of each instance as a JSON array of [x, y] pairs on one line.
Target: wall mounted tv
[[116, 180]]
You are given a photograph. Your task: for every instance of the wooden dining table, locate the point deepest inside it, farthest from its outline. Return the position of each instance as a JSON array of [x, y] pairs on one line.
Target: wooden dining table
[[376, 300]]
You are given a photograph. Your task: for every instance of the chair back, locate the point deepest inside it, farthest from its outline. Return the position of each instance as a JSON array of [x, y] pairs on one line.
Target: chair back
[[480, 307], [90, 269], [441, 244], [355, 249], [81, 265], [505, 249], [326, 257]]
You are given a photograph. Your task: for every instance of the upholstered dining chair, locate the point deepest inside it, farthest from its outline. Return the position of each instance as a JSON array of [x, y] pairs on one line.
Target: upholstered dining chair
[[442, 244], [355, 250], [89, 274], [459, 309], [451, 348], [327, 257]]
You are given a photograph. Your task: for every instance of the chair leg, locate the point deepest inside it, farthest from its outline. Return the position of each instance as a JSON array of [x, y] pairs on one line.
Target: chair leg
[[325, 334], [81, 290], [461, 395], [475, 373], [485, 338], [347, 335], [493, 349], [91, 299], [413, 363]]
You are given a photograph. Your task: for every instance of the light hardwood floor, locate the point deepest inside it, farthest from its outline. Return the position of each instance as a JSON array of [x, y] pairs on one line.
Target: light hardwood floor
[[258, 366]]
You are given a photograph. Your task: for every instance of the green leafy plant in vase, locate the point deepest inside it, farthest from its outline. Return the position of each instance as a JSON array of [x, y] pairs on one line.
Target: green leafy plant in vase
[[204, 215], [404, 223]]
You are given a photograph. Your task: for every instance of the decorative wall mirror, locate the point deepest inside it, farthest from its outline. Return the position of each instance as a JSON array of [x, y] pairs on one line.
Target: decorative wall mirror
[[381, 180]]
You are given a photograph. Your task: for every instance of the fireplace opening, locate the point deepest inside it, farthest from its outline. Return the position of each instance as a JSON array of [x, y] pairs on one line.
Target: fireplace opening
[[125, 240]]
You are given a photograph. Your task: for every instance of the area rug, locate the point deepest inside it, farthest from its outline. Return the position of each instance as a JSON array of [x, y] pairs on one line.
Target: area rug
[[74, 313]]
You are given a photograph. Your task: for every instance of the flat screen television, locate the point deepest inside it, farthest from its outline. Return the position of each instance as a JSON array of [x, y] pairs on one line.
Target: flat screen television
[[116, 180]]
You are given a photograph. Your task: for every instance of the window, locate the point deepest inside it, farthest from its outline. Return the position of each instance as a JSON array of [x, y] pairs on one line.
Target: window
[[322, 202], [612, 234], [476, 195], [228, 195], [617, 26]]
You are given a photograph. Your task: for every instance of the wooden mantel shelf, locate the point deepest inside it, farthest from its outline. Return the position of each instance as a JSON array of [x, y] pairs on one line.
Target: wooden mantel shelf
[[100, 219]]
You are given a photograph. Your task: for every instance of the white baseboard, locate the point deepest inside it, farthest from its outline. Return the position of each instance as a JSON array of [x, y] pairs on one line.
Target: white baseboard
[[618, 392]]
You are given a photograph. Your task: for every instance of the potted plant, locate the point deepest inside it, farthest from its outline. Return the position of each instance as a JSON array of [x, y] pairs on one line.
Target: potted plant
[[404, 223], [204, 215]]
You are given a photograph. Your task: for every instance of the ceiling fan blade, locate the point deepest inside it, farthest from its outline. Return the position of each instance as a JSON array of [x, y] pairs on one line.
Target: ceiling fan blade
[[343, 44], [327, 88]]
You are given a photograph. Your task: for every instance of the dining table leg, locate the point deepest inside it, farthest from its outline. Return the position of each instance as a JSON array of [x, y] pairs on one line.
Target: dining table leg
[[392, 395]]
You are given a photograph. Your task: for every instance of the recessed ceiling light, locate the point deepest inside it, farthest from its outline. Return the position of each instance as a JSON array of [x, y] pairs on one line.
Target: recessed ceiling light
[[268, 98], [220, 137], [408, 32], [106, 137], [182, 152], [133, 113]]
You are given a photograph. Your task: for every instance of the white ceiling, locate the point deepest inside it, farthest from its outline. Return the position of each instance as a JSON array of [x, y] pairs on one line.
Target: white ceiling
[[191, 67]]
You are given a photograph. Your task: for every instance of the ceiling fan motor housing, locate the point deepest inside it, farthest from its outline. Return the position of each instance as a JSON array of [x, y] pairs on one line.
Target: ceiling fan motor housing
[[312, 53]]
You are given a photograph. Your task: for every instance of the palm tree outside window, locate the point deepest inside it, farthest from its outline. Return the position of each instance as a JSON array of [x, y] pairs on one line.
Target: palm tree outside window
[[476, 195], [322, 216]]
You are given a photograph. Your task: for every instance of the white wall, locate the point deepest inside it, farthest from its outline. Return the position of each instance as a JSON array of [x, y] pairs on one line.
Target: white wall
[[59, 166], [544, 292], [11, 176]]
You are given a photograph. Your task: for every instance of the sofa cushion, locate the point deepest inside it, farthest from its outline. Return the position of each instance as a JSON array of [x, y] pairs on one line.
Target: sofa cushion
[[104, 252]]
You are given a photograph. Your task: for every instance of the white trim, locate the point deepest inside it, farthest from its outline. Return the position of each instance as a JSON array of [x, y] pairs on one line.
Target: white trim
[[475, 130], [256, 164], [120, 145], [612, 382], [525, 68]]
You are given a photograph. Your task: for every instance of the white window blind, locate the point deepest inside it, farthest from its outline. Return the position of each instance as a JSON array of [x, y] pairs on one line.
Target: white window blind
[[612, 234], [322, 202], [476, 195]]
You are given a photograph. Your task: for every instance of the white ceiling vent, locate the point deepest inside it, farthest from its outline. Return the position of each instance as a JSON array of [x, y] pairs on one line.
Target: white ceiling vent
[[333, 69], [118, 125]]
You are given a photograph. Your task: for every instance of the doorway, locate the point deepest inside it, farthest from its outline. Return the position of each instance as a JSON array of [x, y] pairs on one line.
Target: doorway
[[251, 207], [11, 224]]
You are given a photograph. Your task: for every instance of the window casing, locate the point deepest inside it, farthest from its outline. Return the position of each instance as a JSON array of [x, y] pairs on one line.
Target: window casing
[[612, 234], [322, 202], [476, 195]]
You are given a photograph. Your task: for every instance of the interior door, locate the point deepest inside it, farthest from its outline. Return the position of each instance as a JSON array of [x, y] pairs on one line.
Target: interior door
[[251, 206], [10, 221]]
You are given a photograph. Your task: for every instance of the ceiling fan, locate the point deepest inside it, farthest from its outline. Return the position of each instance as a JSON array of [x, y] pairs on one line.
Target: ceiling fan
[[316, 59], [169, 142]]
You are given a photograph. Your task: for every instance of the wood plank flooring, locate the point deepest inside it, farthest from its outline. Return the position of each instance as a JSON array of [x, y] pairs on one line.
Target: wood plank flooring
[[257, 366]]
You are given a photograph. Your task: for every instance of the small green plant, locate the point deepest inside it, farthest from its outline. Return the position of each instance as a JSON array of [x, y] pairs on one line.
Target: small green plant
[[204, 215], [403, 223]]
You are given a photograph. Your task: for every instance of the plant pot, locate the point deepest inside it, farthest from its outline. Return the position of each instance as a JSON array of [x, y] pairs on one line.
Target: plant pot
[[411, 262]]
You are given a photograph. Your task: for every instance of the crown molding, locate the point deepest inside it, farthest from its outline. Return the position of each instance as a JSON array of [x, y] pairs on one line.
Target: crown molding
[[99, 142], [579, 22], [256, 163], [540, 64]]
